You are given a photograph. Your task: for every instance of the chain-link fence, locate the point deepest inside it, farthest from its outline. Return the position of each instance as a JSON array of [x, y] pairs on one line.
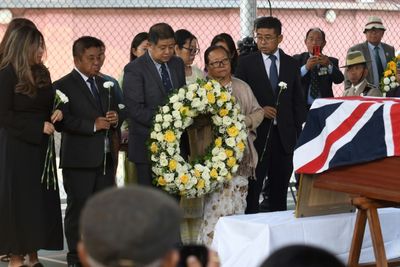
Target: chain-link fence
[[116, 22]]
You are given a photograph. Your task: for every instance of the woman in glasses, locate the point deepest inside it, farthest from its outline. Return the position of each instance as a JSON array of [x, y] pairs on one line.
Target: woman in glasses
[[187, 48], [231, 197], [226, 41]]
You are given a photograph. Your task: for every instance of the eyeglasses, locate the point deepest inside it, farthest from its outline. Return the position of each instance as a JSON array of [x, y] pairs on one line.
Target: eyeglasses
[[266, 39], [194, 51], [219, 63]]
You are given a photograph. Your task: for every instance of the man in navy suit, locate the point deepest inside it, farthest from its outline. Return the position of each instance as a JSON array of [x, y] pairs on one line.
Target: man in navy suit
[[318, 72], [147, 82], [90, 119], [263, 71]]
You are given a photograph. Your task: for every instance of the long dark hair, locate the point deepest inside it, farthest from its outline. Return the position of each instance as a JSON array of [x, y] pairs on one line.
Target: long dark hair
[[20, 51], [137, 40], [226, 38], [14, 24]]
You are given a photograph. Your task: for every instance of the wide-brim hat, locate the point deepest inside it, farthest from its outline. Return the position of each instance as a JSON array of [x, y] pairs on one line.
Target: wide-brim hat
[[374, 23], [354, 58]]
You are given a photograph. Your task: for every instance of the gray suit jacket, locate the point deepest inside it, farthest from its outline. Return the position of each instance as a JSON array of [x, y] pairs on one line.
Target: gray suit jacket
[[363, 47], [144, 94], [365, 89]]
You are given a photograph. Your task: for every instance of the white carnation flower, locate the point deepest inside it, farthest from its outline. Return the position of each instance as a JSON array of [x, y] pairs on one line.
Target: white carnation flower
[[393, 85], [174, 99], [392, 78], [230, 142], [169, 177], [108, 84], [160, 137], [63, 98], [163, 162], [226, 121], [222, 155], [157, 127], [386, 80], [386, 88], [159, 118], [176, 114], [166, 124], [177, 105], [205, 175], [189, 95], [170, 151], [165, 109], [153, 135], [178, 124], [167, 118]]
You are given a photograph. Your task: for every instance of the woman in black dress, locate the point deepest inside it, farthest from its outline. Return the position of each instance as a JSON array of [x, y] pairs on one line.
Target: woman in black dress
[[30, 213]]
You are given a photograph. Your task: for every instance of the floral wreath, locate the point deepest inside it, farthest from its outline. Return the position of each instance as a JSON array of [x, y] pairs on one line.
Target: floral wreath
[[389, 80], [172, 173]]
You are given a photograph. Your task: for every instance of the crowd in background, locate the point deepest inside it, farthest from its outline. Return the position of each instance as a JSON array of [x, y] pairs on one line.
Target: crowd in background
[[102, 116]]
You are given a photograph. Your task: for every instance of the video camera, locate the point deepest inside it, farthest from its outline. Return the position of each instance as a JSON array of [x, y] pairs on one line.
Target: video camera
[[247, 45]]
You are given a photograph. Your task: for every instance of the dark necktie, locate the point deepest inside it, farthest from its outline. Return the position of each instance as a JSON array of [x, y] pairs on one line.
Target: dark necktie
[[94, 91], [165, 78], [314, 89], [378, 62], [273, 73]]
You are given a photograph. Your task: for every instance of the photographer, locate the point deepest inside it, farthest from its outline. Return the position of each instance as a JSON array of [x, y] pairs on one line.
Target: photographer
[[246, 46]]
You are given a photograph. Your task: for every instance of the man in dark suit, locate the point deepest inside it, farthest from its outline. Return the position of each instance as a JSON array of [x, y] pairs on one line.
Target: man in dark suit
[[90, 117], [376, 53], [147, 82], [318, 72], [263, 71]]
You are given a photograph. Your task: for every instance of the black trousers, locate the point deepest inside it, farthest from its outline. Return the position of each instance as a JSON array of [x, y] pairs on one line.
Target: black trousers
[[277, 166], [145, 176], [80, 184]]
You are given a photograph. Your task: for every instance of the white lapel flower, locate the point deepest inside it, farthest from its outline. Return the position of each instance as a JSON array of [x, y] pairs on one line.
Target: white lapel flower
[[282, 85], [108, 84], [121, 106]]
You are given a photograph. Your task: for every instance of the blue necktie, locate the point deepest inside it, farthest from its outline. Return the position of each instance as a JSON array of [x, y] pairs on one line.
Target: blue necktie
[[94, 91], [165, 78], [273, 73], [378, 62]]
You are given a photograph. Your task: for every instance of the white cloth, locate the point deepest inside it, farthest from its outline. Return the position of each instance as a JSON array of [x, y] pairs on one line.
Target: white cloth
[[246, 240]]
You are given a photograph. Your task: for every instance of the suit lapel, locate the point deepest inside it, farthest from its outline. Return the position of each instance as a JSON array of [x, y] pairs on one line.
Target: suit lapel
[[83, 87], [153, 72]]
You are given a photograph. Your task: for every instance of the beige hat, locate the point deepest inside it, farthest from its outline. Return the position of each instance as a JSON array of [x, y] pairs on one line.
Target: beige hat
[[374, 23], [354, 58]]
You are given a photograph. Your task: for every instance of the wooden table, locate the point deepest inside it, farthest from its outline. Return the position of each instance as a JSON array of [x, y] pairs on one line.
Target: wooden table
[[371, 185]]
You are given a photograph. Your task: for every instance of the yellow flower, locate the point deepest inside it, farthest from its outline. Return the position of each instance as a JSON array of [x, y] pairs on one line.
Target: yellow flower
[[398, 57], [233, 131], [228, 152], [387, 73], [200, 184], [208, 86], [184, 110], [223, 97], [211, 98], [392, 65], [231, 162], [172, 165], [241, 146], [218, 142], [213, 173], [223, 112], [229, 176], [197, 173], [169, 136], [161, 181], [153, 147], [184, 179]]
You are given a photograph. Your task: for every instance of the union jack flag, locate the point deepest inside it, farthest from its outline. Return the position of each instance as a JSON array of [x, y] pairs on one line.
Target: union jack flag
[[348, 130]]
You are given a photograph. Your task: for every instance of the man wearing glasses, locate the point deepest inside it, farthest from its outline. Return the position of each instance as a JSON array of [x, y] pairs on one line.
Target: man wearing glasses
[[284, 112]]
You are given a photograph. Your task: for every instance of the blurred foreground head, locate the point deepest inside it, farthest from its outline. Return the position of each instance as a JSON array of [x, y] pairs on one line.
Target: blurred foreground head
[[131, 226]]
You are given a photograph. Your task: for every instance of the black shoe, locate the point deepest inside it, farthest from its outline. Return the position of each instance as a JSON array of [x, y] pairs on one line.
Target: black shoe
[[77, 264], [37, 264], [264, 206]]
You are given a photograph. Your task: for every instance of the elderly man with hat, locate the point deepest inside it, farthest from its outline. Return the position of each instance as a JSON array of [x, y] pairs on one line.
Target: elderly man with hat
[[376, 53], [357, 71]]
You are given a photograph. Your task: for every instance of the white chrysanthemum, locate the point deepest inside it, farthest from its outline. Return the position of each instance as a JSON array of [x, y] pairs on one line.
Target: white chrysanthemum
[[159, 118], [153, 135], [160, 137], [166, 124], [168, 118]]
